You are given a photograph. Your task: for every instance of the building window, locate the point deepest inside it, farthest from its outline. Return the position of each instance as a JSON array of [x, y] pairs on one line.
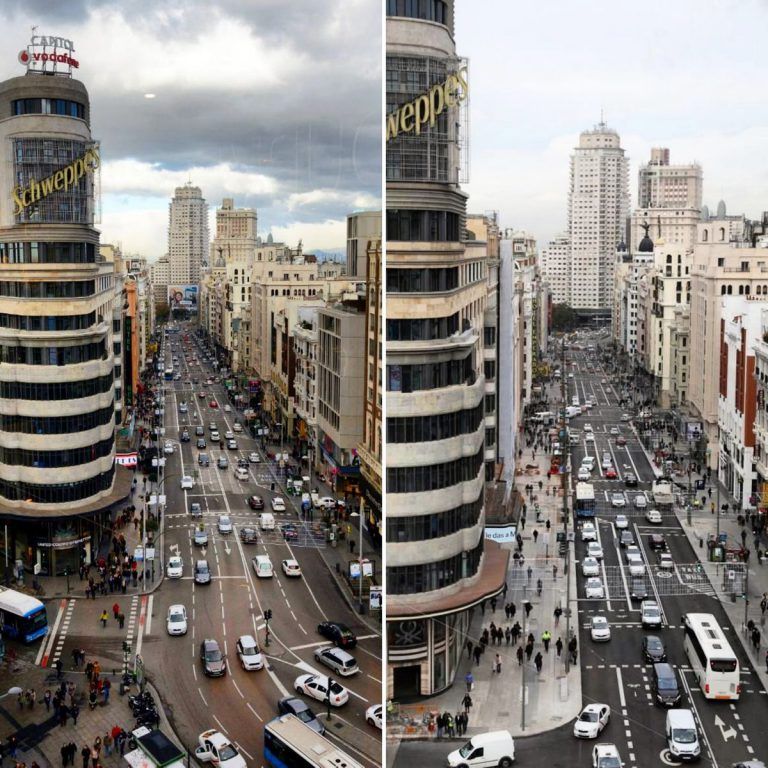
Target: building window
[[441, 426], [428, 527], [58, 493], [434, 476]]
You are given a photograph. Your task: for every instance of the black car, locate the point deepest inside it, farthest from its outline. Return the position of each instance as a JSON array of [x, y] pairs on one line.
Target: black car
[[212, 659], [201, 443], [340, 634], [203, 460], [653, 649], [657, 541], [290, 705], [290, 532], [248, 535], [243, 463], [185, 436], [626, 539], [199, 431], [255, 502], [637, 588], [630, 480]]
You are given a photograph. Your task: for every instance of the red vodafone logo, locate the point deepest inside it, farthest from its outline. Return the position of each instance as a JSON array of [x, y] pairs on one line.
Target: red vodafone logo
[[24, 57]]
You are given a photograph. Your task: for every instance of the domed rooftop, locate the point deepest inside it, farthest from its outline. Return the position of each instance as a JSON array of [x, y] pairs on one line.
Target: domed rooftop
[[646, 244]]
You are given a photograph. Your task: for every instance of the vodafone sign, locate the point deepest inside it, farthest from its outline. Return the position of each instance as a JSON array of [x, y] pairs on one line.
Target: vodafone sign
[[49, 54]]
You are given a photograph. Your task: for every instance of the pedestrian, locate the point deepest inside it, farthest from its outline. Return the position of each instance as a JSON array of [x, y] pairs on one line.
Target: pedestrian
[[85, 753], [512, 610], [64, 751], [530, 573], [92, 698], [468, 646], [516, 631], [493, 605], [520, 656], [75, 712], [535, 536], [107, 741], [508, 635], [528, 650], [469, 679], [528, 607], [440, 725], [89, 671], [121, 620], [59, 668], [497, 664], [116, 610], [466, 702], [538, 661], [559, 646], [763, 603], [522, 522], [756, 638], [546, 637], [766, 662], [47, 699], [557, 614], [106, 689], [103, 619], [477, 653]]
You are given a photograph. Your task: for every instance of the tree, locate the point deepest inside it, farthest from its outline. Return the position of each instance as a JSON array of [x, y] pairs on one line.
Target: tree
[[162, 311], [564, 318]]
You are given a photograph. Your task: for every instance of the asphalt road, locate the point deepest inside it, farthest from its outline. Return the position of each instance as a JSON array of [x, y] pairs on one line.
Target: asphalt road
[[614, 672]]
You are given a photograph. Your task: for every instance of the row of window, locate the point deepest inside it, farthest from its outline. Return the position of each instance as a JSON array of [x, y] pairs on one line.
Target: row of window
[[47, 322], [426, 527], [70, 457], [413, 378], [422, 329], [81, 353], [430, 10], [59, 493], [439, 426], [422, 280], [63, 107], [70, 289], [415, 579], [47, 253], [422, 226], [56, 425], [432, 477], [58, 390]]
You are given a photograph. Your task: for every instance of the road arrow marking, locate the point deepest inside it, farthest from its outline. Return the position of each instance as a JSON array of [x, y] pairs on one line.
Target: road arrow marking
[[726, 734], [226, 548]]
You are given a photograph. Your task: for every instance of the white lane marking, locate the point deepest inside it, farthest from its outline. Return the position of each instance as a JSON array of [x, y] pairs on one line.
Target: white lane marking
[[250, 757], [221, 727], [194, 666], [700, 721], [237, 687], [142, 619], [148, 625], [202, 697], [62, 605], [602, 566], [620, 682], [248, 704]]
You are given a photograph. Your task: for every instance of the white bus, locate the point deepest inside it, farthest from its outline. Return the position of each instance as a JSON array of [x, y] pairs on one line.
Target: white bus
[[289, 743], [22, 617], [585, 500], [711, 657]]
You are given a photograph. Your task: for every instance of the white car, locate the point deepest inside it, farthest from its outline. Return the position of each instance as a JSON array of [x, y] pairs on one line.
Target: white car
[[588, 462], [339, 660], [175, 567], [291, 568], [216, 748], [229, 435], [176, 623], [607, 462], [600, 629], [232, 445], [225, 524], [215, 436], [606, 755], [588, 532], [640, 501], [653, 516], [591, 721], [666, 563], [618, 500], [373, 716], [187, 483], [589, 437], [594, 588], [328, 502], [625, 417], [621, 522], [278, 504], [227, 408], [241, 473], [316, 686], [168, 447], [590, 567], [587, 427], [650, 614], [584, 474], [614, 430], [254, 457], [249, 654], [636, 564], [595, 550], [237, 427]]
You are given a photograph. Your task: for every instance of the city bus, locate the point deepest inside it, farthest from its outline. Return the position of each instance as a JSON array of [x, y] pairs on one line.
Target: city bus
[[710, 655], [585, 500], [289, 743], [22, 617], [169, 373]]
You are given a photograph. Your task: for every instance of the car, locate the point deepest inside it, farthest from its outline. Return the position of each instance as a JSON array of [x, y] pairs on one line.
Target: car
[[328, 502], [584, 474], [175, 567], [237, 427], [201, 395], [588, 462], [636, 564], [213, 404], [195, 510], [187, 483], [183, 407], [637, 588], [657, 541], [665, 561], [176, 621], [600, 629], [213, 427], [341, 662], [653, 649], [594, 588], [224, 524], [626, 538], [589, 437], [594, 550], [611, 473], [254, 457], [591, 721], [606, 755], [618, 500], [199, 430], [640, 501], [200, 539], [215, 437], [590, 567], [232, 445], [630, 480], [291, 705], [588, 532], [278, 504], [255, 502], [603, 381], [621, 440], [168, 447], [201, 444], [291, 568], [621, 522], [625, 417], [203, 460], [322, 688], [216, 748], [241, 473], [650, 614], [614, 430], [654, 516], [588, 427], [227, 408], [202, 572], [249, 654], [184, 436], [341, 634], [222, 462], [373, 716], [290, 532], [212, 659], [229, 435], [249, 535]]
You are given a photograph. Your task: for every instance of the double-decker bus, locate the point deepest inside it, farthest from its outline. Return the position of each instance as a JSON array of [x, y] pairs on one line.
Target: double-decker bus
[[22, 617], [711, 657], [585, 500], [289, 743]]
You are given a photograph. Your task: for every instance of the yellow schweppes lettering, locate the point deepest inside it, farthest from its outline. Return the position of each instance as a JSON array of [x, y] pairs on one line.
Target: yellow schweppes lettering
[[424, 109], [62, 179]]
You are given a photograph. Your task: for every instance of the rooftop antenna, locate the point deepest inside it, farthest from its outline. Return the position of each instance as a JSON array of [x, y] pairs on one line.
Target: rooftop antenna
[[602, 118], [34, 29]]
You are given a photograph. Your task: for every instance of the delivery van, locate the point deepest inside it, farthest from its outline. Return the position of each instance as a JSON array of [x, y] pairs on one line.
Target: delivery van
[[682, 735], [267, 521], [262, 566], [495, 748]]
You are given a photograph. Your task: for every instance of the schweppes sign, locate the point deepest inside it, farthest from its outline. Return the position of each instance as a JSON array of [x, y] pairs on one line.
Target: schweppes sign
[[60, 180], [412, 116]]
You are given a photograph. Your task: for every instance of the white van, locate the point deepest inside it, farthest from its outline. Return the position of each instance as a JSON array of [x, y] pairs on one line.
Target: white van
[[682, 736], [267, 521], [572, 410], [486, 749], [589, 463], [262, 565]]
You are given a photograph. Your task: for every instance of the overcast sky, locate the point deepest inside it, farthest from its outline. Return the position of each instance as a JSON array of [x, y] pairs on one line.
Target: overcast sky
[[274, 103], [677, 73]]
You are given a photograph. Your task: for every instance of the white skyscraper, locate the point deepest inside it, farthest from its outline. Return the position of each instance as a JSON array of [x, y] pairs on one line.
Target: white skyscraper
[[555, 265], [187, 235], [598, 205]]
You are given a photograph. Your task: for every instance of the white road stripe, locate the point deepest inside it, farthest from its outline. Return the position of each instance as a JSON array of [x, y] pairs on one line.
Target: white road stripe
[[148, 625]]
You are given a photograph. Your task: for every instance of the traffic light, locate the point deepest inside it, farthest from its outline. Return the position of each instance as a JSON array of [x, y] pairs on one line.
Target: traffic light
[[268, 614]]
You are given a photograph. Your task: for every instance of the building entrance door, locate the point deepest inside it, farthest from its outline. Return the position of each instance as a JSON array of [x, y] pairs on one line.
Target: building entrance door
[[407, 682]]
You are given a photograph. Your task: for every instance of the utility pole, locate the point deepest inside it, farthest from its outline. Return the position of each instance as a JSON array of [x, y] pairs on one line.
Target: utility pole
[[524, 690], [567, 457]]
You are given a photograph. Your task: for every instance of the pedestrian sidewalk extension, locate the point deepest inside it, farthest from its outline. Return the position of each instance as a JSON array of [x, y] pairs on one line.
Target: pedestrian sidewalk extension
[[552, 698]]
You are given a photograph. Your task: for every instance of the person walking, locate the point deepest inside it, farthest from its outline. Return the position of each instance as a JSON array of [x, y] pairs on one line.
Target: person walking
[[538, 661], [528, 650], [535, 536], [59, 665], [121, 620], [466, 702], [520, 656], [558, 612], [64, 751], [75, 712], [47, 699], [85, 753], [559, 646], [477, 653], [528, 607], [546, 637], [103, 618], [107, 741], [468, 646], [516, 631], [105, 689]]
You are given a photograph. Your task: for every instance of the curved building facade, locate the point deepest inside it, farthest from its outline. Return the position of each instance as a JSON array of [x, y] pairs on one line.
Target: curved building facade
[[438, 563], [58, 337]]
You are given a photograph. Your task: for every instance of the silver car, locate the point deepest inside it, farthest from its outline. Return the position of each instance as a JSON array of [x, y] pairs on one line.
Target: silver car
[[337, 659]]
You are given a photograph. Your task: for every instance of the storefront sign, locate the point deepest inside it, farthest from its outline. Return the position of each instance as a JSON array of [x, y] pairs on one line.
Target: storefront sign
[[501, 534], [424, 109], [374, 598], [63, 544], [45, 52], [63, 179], [127, 459]]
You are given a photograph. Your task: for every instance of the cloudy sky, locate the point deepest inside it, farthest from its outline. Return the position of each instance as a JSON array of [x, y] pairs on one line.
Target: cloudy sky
[[677, 73], [274, 103]]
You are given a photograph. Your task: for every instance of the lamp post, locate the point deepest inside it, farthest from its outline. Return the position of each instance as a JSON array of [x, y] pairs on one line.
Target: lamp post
[[14, 691], [360, 554]]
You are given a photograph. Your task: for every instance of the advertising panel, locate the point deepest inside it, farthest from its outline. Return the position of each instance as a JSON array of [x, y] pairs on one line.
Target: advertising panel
[[182, 297]]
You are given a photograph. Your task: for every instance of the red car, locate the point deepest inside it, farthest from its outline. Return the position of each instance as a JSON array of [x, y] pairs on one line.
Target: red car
[[213, 404], [611, 473]]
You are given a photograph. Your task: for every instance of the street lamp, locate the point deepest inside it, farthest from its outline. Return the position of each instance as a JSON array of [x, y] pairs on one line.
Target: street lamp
[[14, 691], [360, 553]]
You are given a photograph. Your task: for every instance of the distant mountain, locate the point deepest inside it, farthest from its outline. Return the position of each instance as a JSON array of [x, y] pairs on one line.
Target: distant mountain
[[337, 255]]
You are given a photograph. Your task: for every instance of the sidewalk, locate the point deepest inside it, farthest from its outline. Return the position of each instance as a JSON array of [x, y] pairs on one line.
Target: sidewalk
[[552, 697]]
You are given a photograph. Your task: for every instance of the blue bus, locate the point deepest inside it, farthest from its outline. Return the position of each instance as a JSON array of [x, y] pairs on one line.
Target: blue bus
[[585, 500], [22, 617], [290, 743]]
